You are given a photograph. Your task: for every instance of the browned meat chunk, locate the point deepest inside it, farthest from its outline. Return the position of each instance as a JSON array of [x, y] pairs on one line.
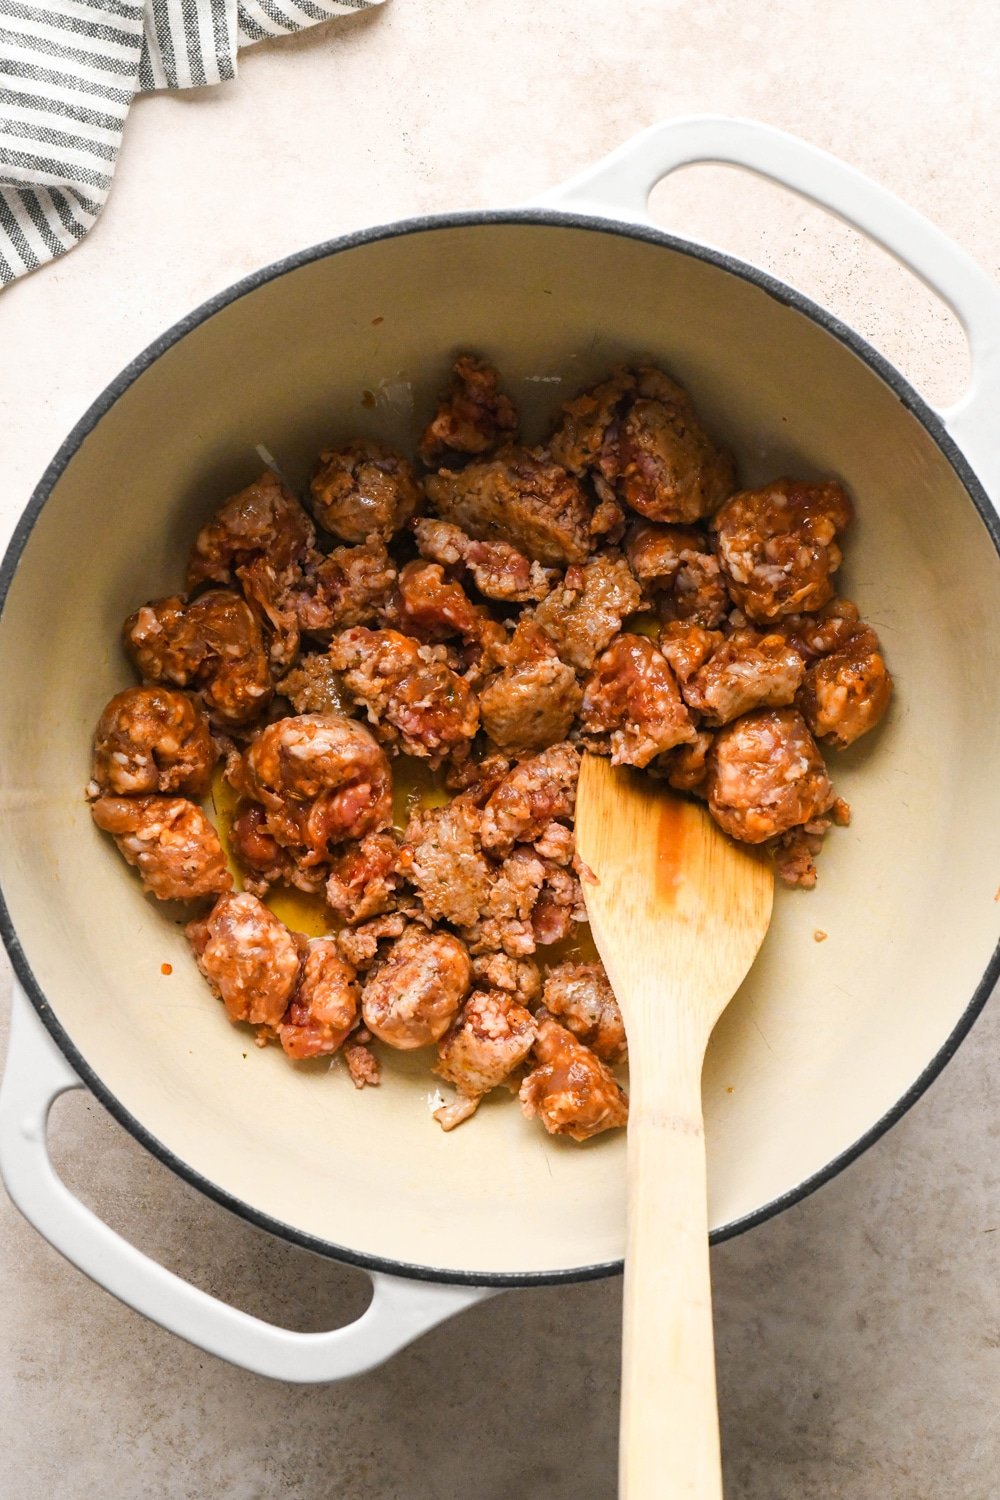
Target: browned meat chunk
[[766, 775], [481, 777], [581, 999], [414, 994], [264, 520], [818, 634], [169, 841], [443, 860], [362, 1066], [778, 548], [687, 647], [364, 879], [347, 588], [492, 1036], [639, 433], [519, 497], [314, 687], [846, 692], [263, 860], [529, 797], [498, 570], [151, 739], [531, 901], [363, 490], [410, 694], [474, 417], [324, 1005], [259, 539], [519, 977], [677, 569], [528, 706], [560, 905], [359, 945], [632, 696], [747, 671], [213, 645], [320, 779], [431, 607], [584, 613], [249, 958], [571, 1090], [686, 766]]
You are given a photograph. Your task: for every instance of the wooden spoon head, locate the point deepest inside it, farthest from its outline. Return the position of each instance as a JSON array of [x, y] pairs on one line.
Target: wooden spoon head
[[677, 909]]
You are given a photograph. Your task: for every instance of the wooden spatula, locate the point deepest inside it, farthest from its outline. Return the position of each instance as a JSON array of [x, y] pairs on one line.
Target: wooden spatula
[[678, 912]]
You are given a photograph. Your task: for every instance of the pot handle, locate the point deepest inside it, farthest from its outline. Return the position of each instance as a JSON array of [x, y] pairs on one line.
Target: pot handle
[[619, 186], [400, 1310]]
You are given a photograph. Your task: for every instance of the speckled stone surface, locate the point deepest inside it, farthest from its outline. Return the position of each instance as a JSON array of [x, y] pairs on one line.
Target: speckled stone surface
[[859, 1333]]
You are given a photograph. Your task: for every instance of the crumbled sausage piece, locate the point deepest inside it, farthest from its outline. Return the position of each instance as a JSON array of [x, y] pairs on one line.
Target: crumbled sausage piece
[[362, 1065], [502, 919], [347, 587], [409, 692], [364, 878], [363, 490], [820, 633], [560, 905], [529, 705], [520, 496], [584, 613], [655, 552], [746, 671], [213, 645], [249, 958], [678, 572], [152, 739], [359, 945], [490, 1038], [324, 1005], [846, 692], [474, 416], [412, 996], [778, 548], [632, 696], [766, 775], [498, 570], [169, 841], [639, 433], [687, 647], [314, 687], [571, 1090], [520, 977], [431, 607], [321, 779], [264, 520], [480, 777], [686, 766], [581, 999], [443, 860], [264, 861], [529, 797]]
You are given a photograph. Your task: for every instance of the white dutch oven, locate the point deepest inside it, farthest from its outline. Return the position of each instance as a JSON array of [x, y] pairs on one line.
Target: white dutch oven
[[825, 1046]]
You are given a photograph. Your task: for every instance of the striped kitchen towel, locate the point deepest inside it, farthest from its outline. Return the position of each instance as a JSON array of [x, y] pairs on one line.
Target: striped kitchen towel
[[69, 70]]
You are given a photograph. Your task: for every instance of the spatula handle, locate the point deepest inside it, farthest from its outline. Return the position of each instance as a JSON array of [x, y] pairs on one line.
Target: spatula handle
[[669, 1416]]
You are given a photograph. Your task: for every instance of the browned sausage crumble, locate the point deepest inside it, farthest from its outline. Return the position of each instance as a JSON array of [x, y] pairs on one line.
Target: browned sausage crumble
[[400, 675]]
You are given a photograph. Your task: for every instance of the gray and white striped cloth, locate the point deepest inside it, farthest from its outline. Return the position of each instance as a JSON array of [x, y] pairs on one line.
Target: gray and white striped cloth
[[69, 70]]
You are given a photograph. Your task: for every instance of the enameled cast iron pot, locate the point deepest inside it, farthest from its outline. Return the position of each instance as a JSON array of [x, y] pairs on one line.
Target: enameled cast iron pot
[[825, 1046]]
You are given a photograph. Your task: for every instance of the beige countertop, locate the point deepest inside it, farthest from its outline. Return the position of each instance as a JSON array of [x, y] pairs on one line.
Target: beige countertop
[[859, 1333]]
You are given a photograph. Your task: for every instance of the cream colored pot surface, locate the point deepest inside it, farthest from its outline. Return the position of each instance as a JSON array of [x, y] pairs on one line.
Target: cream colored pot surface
[[823, 1040]]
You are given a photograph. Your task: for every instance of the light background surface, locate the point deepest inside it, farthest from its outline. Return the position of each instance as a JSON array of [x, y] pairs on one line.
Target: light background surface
[[859, 1333]]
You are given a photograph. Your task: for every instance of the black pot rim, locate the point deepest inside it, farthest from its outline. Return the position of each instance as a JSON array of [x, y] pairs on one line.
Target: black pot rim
[[780, 292]]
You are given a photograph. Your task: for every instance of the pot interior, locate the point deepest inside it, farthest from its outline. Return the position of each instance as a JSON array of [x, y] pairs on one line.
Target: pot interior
[[823, 1039]]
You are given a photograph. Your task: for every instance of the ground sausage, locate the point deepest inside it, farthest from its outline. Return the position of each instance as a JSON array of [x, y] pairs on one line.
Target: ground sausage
[[364, 490], [846, 692], [152, 739], [414, 994], [474, 416], [581, 999], [364, 878], [766, 775], [520, 497], [169, 841], [347, 587], [498, 570], [778, 548], [571, 1090], [410, 693], [584, 613], [529, 797], [632, 697], [491, 1037], [264, 520], [249, 958], [442, 858], [313, 686], [324, 1005], [749, 670]]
